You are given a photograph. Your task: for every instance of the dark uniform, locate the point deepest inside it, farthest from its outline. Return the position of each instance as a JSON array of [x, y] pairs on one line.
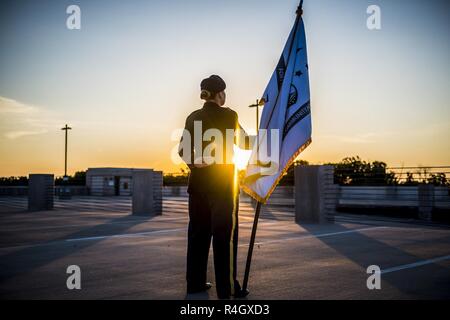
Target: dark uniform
[[213, 207]]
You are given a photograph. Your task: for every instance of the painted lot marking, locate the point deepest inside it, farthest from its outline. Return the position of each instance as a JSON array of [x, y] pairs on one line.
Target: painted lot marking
[[126, 235], [321, 235], [149, 233], [415, 264]]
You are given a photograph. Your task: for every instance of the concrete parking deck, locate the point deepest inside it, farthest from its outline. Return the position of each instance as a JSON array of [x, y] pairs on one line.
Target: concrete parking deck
[[128, 257]]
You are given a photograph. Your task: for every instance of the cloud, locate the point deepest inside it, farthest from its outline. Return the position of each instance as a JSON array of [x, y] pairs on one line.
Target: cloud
[[13, 106], [19, 134], [20, 120]]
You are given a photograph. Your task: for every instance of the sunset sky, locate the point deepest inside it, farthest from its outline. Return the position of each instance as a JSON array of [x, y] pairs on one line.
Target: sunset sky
[[131, 75]]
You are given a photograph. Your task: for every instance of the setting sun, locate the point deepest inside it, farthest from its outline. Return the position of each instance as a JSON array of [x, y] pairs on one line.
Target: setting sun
[[241, 157]]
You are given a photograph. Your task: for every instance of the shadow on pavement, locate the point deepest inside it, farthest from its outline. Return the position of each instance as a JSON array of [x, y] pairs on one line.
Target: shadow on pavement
[[366, 251]]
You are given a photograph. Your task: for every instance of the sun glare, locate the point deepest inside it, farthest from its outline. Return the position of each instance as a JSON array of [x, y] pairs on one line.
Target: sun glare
[[241, 157]]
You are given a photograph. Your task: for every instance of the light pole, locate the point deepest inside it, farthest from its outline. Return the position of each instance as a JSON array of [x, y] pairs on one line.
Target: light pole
[[66, 129], [259, 103]]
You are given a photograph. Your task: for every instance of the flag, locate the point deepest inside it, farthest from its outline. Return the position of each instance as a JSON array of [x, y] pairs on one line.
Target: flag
[[285, 126]]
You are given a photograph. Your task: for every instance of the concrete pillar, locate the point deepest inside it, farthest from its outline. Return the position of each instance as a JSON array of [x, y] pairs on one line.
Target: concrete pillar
[[147, 193], [157, 192], [426, 201], [315, 194], [41, 190]]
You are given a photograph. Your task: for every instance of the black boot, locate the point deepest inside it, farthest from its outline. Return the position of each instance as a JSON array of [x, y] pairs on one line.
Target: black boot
[[198, 289], [238, 292]]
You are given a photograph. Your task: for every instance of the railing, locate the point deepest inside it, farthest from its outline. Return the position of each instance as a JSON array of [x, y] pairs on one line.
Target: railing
[[352, 174], [23, 190], [417, 191], [393, 187]]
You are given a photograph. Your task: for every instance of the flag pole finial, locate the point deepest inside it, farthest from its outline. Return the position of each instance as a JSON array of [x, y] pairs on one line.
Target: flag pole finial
[[299, 11]]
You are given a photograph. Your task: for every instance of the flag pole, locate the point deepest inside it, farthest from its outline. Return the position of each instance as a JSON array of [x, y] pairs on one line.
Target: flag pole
[[258, 209], [250, 248]]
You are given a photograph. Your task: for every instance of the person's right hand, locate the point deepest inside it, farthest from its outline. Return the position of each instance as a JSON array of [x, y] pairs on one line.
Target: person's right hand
[[200, 166], [204, 164]]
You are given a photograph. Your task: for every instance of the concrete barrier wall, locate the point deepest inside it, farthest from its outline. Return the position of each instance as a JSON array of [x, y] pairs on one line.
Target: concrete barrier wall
[[40, 192], [315, 194]]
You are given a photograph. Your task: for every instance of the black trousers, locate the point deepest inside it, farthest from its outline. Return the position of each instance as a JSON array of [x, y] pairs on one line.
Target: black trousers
[[213, 215]]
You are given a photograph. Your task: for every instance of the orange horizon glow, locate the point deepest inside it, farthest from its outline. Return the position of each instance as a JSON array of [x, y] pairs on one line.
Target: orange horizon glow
[[130, 77]]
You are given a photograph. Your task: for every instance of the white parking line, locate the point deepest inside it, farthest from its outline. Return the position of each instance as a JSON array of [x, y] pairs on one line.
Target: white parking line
[[101, 224], [415, 264], [127, 235], [143, 234], [322, 235]]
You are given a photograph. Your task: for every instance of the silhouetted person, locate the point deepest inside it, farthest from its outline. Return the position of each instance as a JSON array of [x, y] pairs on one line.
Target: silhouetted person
[[213, 194]]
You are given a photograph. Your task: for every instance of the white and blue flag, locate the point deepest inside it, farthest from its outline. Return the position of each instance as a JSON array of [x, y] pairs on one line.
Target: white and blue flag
[[285, 126]]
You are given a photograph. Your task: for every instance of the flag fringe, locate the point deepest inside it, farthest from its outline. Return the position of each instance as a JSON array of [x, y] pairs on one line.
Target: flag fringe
[[256, 196]]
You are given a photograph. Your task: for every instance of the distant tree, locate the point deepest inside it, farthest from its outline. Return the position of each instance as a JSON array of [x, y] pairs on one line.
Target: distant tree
[[424, 176], [78, 179], [288, 178], [176, 179], [354, 171], [13, 181], [409, 180], [438, 179]]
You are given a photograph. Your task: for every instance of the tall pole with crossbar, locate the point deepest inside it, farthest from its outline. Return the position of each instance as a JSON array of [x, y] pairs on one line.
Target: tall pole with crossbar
[[66, 129]]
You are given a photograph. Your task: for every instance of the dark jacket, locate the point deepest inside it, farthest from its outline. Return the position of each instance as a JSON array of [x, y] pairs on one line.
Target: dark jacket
[[216, 177]]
